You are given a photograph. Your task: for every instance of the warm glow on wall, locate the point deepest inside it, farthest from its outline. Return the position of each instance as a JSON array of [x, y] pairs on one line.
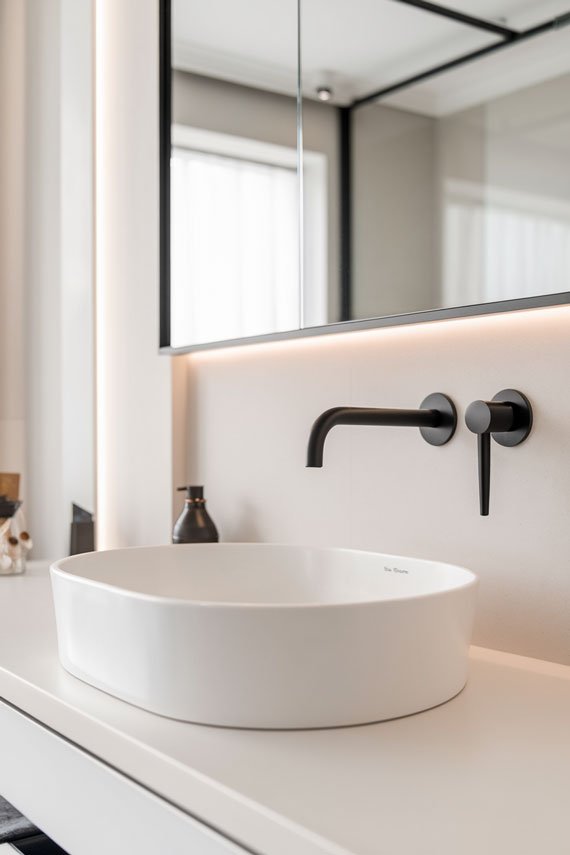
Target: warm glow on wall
[[101, 366], [508, 324], [133, 387]]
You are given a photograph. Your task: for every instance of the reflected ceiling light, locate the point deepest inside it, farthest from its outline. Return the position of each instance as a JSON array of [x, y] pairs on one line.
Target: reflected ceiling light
[[324, 93]]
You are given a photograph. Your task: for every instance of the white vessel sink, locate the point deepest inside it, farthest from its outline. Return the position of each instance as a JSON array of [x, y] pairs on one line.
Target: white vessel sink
[[265, 636]]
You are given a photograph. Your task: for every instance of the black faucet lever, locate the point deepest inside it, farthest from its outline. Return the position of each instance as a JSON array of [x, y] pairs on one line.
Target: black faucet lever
[[508, 419]]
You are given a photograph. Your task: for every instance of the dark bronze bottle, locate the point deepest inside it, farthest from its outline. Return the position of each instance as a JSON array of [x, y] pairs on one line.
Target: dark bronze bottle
[[194, 525]]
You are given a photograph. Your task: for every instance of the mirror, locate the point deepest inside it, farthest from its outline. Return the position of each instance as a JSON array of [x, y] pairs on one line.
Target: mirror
[[233, 170], [400, 161]]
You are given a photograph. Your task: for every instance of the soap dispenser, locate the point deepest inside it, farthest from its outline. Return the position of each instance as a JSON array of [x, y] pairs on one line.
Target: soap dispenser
[[194, 525]]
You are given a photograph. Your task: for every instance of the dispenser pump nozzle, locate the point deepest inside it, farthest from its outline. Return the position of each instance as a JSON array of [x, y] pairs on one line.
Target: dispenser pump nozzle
[[193, 492]]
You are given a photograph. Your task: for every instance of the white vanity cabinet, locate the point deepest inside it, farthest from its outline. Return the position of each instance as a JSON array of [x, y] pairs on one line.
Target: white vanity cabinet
[[88, 807]]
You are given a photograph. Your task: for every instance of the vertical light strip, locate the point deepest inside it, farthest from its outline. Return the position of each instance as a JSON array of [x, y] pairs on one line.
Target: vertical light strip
[[101, 420], [300, 171], [133, 383]]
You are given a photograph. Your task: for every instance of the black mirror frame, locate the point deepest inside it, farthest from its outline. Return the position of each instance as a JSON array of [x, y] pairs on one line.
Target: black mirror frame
[[164, 145], [165, 121]]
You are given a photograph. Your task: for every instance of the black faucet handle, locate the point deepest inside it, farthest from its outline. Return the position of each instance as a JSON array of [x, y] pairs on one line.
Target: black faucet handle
[[485, 417], [508, 419]]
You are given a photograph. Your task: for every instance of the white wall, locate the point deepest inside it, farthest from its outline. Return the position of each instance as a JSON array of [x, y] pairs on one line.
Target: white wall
[[12, 235], [393, 199], [46, 288], [77, 280], [134, 397], [251, 409], [46, 263], [47, 517], [528, 140]]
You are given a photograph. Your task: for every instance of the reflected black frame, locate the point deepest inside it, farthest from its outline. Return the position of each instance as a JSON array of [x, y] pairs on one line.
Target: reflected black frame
[[165, 121]]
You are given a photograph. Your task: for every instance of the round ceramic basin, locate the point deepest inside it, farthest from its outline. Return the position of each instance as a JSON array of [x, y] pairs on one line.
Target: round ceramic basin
[[263, 635]]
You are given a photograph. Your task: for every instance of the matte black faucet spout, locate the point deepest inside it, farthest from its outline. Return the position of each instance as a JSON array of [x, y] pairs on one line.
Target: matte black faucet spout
[[436, 419]]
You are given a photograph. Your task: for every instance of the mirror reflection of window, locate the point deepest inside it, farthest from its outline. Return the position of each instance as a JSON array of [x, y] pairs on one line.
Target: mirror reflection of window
[[506, 196], [235, 191], [455, 181], [504, 246], [234, 240]]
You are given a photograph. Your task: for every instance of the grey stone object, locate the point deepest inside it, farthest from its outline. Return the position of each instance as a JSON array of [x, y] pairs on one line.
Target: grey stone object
[[14, 826]]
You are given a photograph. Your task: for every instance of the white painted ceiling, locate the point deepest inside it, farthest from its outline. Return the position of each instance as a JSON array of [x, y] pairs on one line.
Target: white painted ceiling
[[370, 44], [355, 46], [501, 73], [253, 42]]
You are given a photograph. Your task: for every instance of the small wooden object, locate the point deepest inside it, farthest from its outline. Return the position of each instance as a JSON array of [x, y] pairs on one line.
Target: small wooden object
[[10, 485]]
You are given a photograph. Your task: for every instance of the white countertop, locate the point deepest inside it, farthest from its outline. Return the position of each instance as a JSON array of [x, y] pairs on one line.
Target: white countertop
[[488, 772]]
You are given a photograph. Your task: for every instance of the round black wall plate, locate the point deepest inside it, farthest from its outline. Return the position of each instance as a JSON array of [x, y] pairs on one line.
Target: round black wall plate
[[522, 425], [444, 431]]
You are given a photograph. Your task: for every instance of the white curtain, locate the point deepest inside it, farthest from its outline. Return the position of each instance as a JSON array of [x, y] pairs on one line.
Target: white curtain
[[234, 248], [496, 251]]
